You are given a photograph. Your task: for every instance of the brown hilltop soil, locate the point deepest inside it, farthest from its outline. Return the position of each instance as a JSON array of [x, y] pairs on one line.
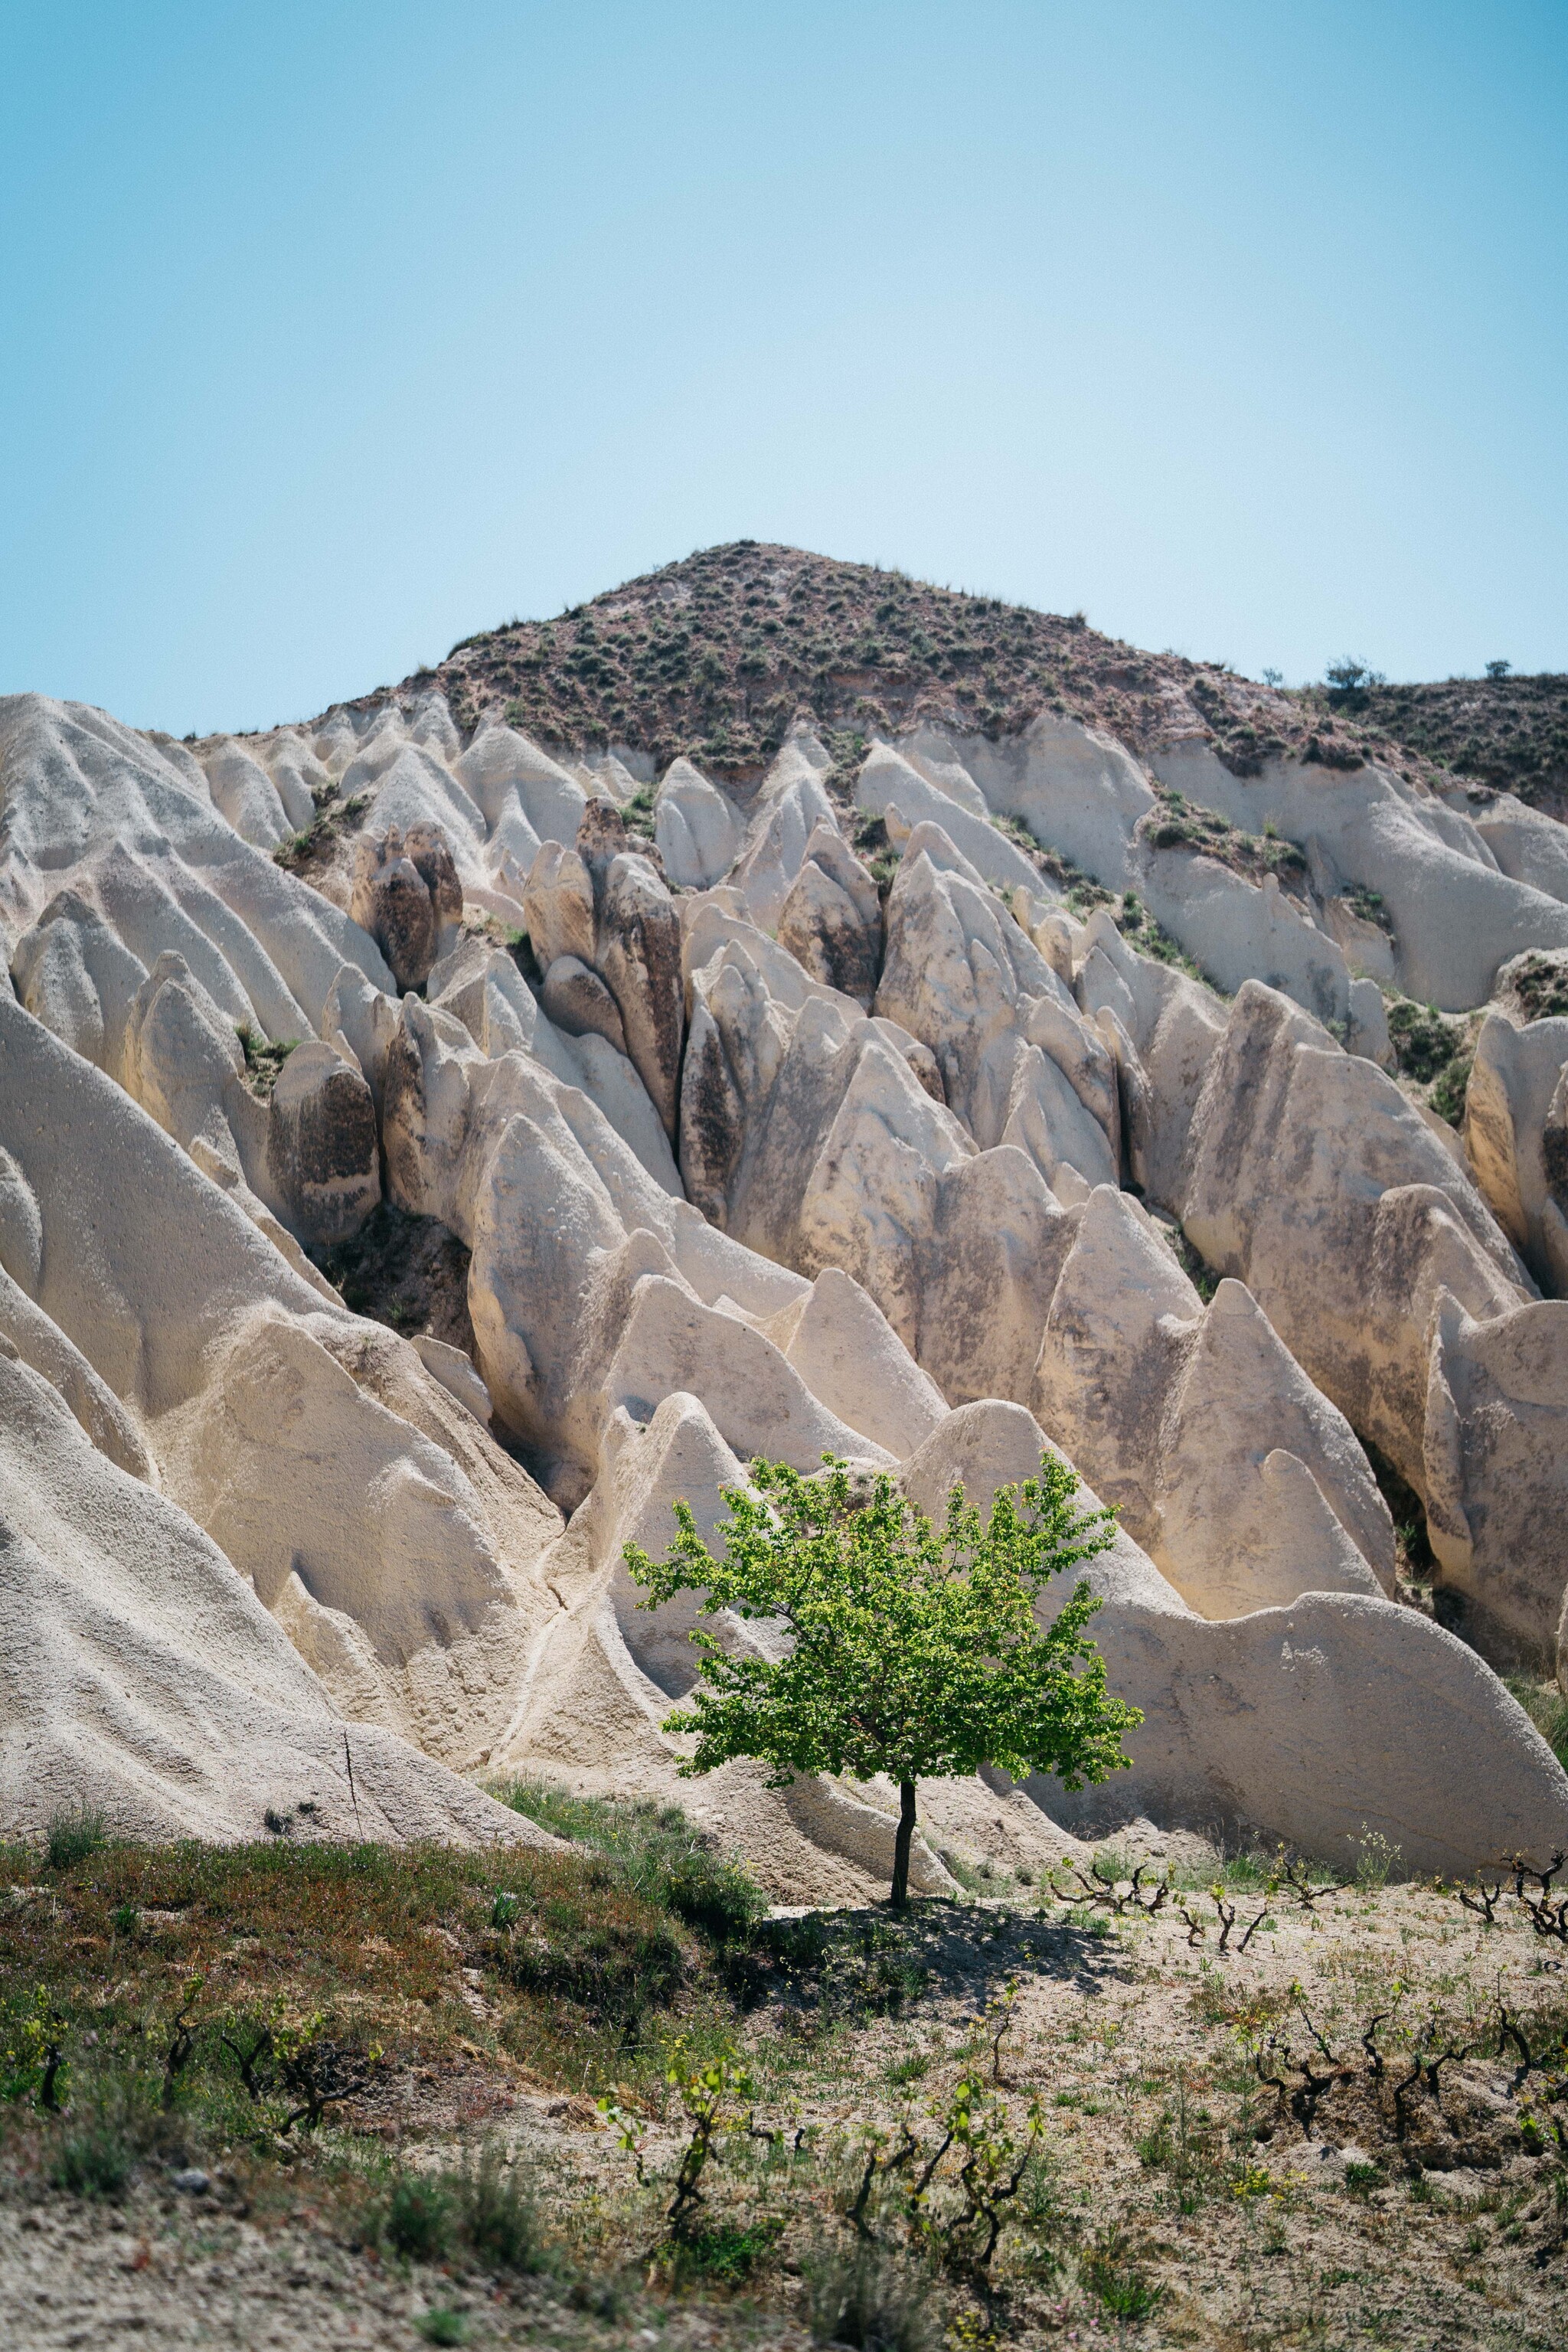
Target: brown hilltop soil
[[1508, 732], [714, 656]]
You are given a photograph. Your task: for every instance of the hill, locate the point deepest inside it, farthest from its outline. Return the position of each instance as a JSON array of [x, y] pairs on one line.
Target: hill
[[712, 657]]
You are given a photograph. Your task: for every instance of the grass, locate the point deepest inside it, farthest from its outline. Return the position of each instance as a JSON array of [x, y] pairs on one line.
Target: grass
[[485, 2207], [868, 2296], [97, 2161], [653, 1851], [264, 1059], [422, 1968], [444, 2324], [71, 1837], [1541, 985], [1547, 1709], [365, 1945]]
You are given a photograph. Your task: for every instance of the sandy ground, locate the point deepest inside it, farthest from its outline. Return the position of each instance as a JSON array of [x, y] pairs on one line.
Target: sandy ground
[[1168, 2162]]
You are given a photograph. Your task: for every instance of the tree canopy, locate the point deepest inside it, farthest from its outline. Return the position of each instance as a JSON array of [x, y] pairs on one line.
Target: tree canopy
[[912, 1652]]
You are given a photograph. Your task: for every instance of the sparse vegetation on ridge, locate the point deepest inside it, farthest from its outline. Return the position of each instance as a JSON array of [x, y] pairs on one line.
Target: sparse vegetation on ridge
[[714, 655], [1506, 733]]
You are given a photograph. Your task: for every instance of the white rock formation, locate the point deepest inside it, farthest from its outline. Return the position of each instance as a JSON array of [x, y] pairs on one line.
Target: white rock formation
[[1078, 791], [831, 921], [1516, 1134], [364, 1504], [790, 805], [695, 826], [1238, 931], [141, 1676], [1018, 1063], [1456, 916], [1310, 1723], [1240, 1480], [889, 787], [901, 1232]]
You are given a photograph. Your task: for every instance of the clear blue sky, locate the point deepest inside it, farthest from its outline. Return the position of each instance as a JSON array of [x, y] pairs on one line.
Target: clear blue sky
[[334, 332]]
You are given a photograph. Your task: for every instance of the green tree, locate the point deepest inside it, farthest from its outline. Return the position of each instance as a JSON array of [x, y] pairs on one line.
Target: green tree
[[912, 1652]]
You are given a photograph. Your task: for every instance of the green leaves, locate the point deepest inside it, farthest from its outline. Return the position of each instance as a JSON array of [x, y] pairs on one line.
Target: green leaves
[[912, 1652]]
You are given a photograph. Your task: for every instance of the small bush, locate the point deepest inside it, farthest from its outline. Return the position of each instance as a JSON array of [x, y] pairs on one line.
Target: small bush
[[1449, 1095], [1368, 905], [1541, 985], [612, 1969], [96, 2160], [1424, 1041], [866, 2296], [72, 1836], [443, 2324], [418, 2220], [1120, 2286], [721, 2252], [264, 1058], [1375, 1859], [498, 2216]]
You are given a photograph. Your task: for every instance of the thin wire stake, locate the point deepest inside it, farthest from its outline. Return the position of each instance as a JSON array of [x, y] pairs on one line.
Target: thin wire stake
[[349, 1760]]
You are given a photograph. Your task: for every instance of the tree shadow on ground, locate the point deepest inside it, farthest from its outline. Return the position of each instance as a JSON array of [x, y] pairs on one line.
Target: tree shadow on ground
[[879, 1961]]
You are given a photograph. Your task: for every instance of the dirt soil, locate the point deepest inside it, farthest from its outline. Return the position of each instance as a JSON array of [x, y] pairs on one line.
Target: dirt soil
[[1192, 2187]]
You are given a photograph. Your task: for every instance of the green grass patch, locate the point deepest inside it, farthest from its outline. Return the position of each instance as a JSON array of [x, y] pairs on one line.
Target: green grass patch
[[1547, 1709], [654, 1852]]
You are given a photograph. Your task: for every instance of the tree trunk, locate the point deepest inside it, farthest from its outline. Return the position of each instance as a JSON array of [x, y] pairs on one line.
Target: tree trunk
[[901, 1894]]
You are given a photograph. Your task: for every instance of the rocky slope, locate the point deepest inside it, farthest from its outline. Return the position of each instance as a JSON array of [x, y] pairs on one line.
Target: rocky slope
[[778, 1008]]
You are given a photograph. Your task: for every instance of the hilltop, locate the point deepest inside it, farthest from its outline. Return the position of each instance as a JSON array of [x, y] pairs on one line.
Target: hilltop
[[713, 657]]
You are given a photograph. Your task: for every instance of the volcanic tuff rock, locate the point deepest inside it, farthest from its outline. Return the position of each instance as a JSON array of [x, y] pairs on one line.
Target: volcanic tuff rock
[[832, 1116]]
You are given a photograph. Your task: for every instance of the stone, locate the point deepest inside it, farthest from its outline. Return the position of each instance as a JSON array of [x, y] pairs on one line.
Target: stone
[[962, 975], [790, 805], [1304, 1717], [1237, 930], [1495, 1475], [558, 906], [1454, 918], [144, 1679], [577, 1001], [322, 1147], [429, 852], [1076, 789], [889, 787], [831, 921], [1516, 1136], [1243, 1484], [391, 900], [1315, 1182], [852, 1359], [695, 826], [409, 1582], [639, 953]]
